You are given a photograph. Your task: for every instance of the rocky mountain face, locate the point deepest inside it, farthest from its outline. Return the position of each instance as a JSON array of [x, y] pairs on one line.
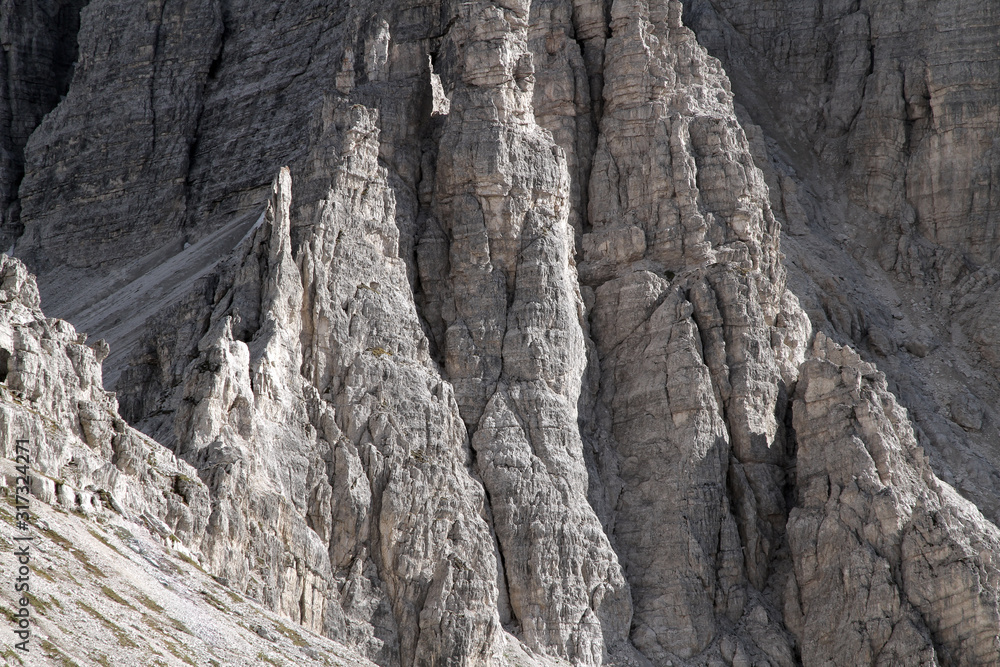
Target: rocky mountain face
[[632, 333]]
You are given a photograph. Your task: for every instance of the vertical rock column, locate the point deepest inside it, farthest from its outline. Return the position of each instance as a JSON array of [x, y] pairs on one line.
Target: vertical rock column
[[567, 45], [683, 259], [243, 422], [408, 523], [500, 257]]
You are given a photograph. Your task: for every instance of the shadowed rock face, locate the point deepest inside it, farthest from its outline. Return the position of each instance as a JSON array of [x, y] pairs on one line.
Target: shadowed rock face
[[39, 54], [873, 123], [900, 98], [468, 337]]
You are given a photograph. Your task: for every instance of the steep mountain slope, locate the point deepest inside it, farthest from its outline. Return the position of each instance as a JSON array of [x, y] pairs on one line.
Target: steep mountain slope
[[113, 522], [39, 55], [462, 332], [878, 122]]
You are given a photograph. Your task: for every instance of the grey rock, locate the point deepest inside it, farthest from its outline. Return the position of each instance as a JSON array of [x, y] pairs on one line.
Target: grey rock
[[850, 106], [917, 348], [881, 342], [39, 54], [467, 333], [869, 507], [967, 412]]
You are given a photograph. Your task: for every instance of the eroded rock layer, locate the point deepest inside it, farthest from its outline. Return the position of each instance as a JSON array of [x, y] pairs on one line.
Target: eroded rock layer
[[461, 332]]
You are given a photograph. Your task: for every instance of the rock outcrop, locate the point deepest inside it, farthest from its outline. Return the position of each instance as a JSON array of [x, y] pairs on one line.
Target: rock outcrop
[[892, 567], [683, 318], [464, 333], [83, 455], [105, 590], [876, 124], [335, 455]]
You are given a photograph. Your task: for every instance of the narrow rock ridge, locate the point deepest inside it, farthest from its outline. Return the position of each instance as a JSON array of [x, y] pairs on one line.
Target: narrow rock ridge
[[312, 403], [393, 421], [117, 521]]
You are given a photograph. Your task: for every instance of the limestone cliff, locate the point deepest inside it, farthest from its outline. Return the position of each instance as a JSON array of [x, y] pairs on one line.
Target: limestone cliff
[[874, 125], [482, 334]]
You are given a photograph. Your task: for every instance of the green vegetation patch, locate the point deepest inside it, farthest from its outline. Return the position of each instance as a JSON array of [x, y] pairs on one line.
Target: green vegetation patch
[[180, 655], [148, 603], [114, 596], [87, 565], [42, 572], [190, 561], [68, 546], [116, 630], [179, 626], [152, 622], [263, 657], [291, 634], [105, 541], [9, 656], [214, 601], [52, 651], [38, 604], [56, 537]]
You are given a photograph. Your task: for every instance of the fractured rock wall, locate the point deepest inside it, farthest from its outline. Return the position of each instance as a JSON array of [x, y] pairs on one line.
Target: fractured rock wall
[[39, 55], [873, 124], [473, 324], [83, 455], [907, 568], [902, 96]]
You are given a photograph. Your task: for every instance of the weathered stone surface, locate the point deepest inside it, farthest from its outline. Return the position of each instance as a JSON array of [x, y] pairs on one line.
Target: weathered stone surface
[[877, 148], [513, 342], [903, 99], [113, 591], [39, 52], [336, 459], [84, 456], [150, 64], [684, 335], [520, 373], [891, 565]]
